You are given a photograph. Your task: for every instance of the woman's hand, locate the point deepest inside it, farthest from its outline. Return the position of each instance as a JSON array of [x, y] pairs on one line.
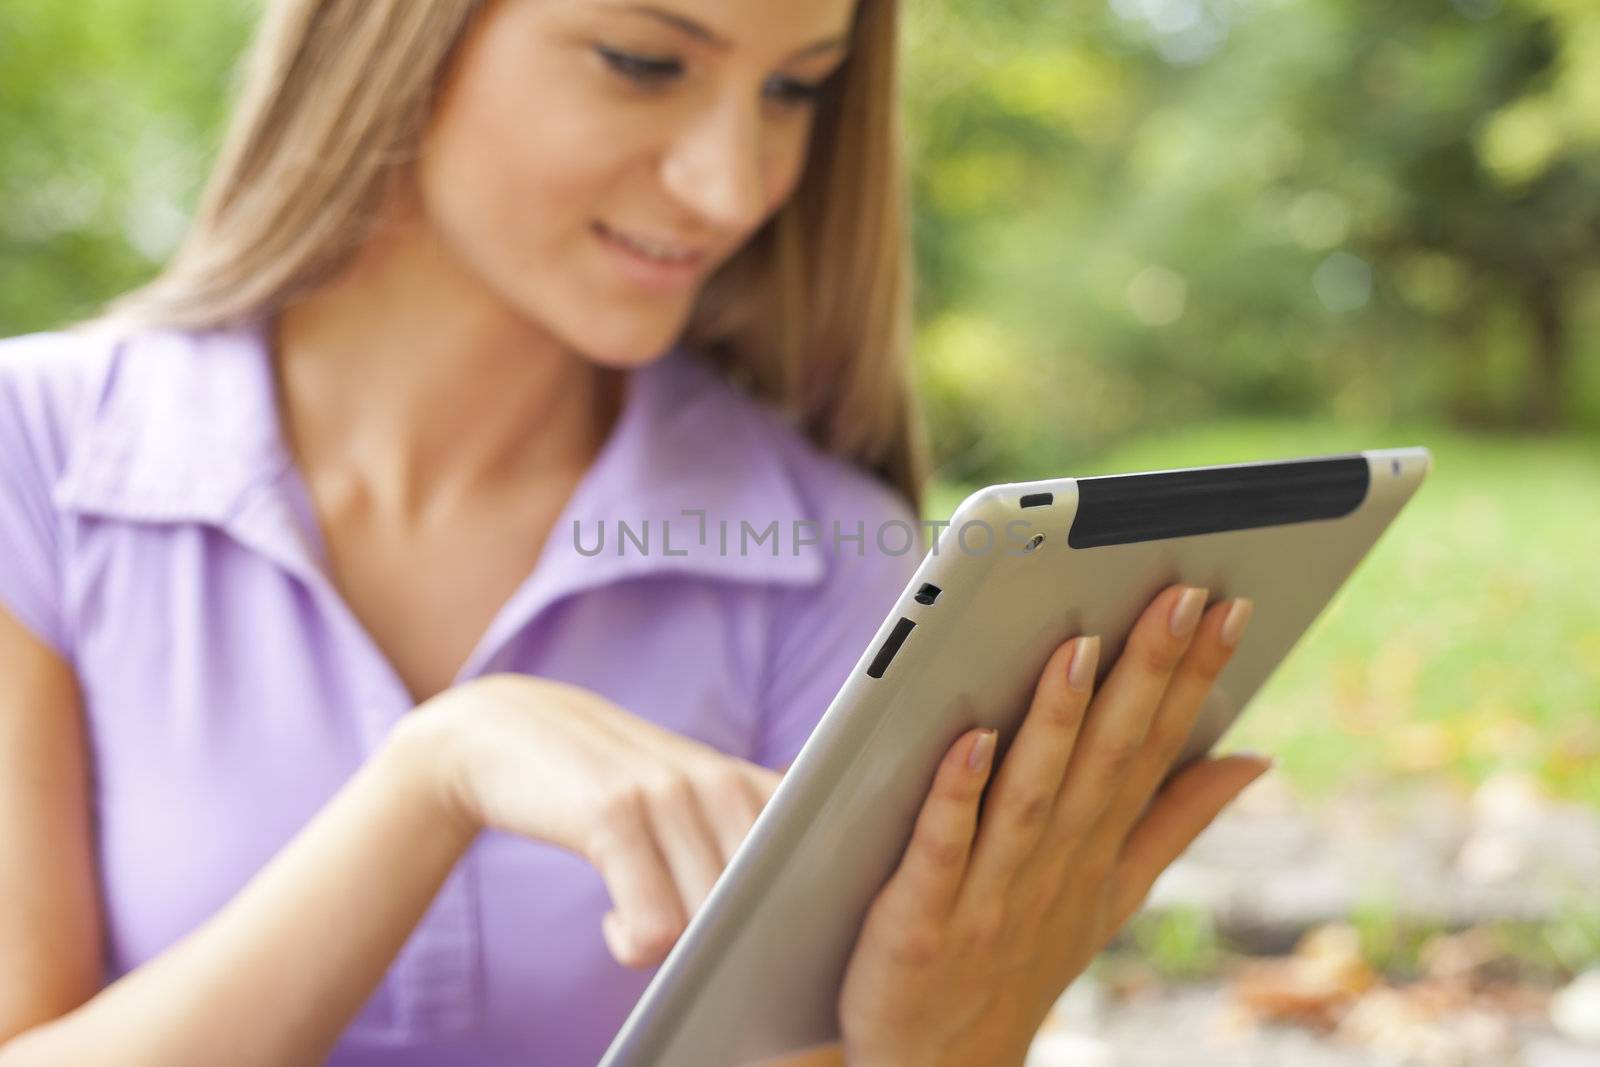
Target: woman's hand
[[988, 919], [658, 814]]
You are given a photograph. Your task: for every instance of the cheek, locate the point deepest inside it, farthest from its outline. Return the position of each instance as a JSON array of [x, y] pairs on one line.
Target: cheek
[[787, 159], [518, 153], [510, 177]]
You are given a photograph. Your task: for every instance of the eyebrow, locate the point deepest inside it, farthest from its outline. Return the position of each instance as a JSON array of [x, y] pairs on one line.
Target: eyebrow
[[685, 24]]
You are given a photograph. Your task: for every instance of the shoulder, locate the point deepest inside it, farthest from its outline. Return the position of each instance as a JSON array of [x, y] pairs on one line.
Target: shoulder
[[48, 369], [834, 488], [865, 534], [47, 386], [84, 365], [825, 487], [97, 387], [50, 386]]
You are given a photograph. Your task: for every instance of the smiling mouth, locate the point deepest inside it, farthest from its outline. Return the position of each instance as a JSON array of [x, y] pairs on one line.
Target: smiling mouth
[[666, 253]]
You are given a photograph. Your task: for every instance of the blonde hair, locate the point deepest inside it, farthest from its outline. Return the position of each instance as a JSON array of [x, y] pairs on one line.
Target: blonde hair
[[813, 314]]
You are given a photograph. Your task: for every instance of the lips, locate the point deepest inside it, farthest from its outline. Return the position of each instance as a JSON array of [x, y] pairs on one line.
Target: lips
[[667, 252]]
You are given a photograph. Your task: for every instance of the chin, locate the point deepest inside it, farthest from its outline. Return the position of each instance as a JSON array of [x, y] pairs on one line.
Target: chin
[[612, 359], [625, 349], [620, 352]]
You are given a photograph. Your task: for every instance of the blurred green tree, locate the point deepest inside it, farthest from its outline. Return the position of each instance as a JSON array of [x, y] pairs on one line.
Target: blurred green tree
[[109, 113], [1152, 211]]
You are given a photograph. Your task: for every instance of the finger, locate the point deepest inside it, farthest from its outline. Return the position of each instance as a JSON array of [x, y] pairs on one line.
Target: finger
[[647, 915], [1024, 791], [730, 799], [924, 886], [762, 782], [1120, 715], [1184, 807], [686, 839], [1175, 717]]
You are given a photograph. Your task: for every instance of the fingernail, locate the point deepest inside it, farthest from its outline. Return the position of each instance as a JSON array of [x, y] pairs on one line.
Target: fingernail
[[1186, 613], [982, 751], [1080, 672], [1267, 762], [1238, 617]]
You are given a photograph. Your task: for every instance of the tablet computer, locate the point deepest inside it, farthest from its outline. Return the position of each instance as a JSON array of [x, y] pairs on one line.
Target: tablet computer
[[1020, 568]]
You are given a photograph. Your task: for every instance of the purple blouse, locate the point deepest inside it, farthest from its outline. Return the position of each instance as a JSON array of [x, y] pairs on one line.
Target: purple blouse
[[155, 531]]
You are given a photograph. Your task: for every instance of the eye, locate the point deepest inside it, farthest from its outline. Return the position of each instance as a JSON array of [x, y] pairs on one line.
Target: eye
[[797, 93], [643, 70]]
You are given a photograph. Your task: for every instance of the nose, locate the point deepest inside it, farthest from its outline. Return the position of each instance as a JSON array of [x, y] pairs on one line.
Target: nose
[[714, 168]]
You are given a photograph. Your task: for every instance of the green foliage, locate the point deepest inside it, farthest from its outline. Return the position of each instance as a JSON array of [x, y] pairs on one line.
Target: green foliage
[[1151, 212], [1392, 943], [1181, 943], [1572, 939], [1564, 945], [109, 110]]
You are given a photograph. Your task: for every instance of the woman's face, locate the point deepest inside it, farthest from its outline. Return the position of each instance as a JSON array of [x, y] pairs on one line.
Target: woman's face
[[592, 162]]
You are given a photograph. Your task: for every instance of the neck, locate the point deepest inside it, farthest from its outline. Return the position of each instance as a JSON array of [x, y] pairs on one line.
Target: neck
[[414, 390]]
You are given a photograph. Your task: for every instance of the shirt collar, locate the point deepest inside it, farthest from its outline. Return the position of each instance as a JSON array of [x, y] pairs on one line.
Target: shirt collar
[[187, 432]]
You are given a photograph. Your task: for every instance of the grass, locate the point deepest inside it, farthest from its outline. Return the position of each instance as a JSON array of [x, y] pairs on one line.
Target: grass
[[1181, 944], [1467, 643]]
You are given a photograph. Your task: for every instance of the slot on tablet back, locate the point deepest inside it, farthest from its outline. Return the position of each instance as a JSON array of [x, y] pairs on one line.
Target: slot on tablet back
[[891, 645]]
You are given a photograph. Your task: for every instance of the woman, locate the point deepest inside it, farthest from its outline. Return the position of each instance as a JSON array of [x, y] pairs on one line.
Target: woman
[[326, 736]]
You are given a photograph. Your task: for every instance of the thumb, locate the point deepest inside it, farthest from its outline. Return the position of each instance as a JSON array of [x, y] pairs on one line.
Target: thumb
[[1177, 814]]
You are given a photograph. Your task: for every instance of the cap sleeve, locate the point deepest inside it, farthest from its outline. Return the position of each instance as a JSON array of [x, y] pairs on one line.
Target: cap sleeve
[[31, 459], [820, 631]]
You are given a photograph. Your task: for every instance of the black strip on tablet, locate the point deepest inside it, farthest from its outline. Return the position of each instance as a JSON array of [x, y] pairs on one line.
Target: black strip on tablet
[[1037, 500], [1125, 508], [891, 645]]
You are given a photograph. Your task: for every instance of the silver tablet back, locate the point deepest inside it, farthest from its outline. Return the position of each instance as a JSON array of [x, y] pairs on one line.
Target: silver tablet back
[[758, 970]]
